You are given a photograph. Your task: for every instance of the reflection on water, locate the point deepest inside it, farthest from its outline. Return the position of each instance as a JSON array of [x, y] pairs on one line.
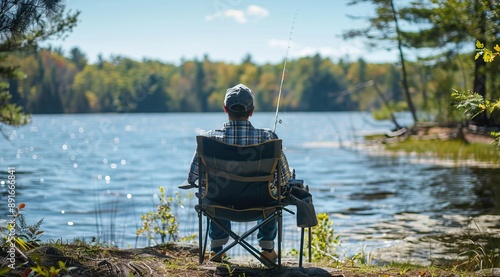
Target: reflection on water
[[94, 175]]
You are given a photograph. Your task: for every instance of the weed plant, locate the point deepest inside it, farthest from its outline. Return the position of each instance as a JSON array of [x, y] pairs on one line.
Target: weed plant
[[324, 242], [162, 222], [479, 252]]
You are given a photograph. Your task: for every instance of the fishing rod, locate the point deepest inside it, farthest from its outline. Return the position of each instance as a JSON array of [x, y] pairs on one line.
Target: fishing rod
[[283, 74]]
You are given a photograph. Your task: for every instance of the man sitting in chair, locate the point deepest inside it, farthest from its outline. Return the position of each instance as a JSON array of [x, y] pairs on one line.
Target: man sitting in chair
[[239, 105]]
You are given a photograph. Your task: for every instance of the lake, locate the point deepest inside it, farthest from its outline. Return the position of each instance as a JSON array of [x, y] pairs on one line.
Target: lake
[[93, 175]]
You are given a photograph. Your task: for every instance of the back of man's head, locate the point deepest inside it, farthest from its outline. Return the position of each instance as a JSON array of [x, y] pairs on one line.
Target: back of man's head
[[239, 101]]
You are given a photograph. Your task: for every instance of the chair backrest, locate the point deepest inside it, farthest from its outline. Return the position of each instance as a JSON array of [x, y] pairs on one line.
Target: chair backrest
[[238, 176]]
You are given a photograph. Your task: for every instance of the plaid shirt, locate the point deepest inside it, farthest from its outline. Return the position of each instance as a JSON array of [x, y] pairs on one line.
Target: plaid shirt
[[241, 132]]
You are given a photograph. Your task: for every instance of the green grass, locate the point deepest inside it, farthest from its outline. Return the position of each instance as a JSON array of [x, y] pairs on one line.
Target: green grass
[[456, 150]]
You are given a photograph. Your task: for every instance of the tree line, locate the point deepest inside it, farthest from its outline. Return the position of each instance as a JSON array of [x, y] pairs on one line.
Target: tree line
[[58, 84]]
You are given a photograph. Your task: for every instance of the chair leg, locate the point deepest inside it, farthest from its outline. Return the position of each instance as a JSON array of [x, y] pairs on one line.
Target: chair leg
[[280, 235], [206, 239], [301, 250], [309, 236], [309, 243], [200, 238]]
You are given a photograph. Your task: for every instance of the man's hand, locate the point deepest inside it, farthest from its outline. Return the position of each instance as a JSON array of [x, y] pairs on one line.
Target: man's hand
[[186, 185]]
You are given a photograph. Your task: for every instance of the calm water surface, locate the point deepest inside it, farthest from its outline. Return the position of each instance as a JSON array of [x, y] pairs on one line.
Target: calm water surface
[[94, 175]]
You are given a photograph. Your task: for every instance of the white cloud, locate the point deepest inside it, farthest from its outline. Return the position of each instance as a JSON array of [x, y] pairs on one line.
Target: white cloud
[[240, 16], [257, 11], [237, 15]]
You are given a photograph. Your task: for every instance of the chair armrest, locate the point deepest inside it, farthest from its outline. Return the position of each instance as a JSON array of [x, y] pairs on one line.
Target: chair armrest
[[295, 183]]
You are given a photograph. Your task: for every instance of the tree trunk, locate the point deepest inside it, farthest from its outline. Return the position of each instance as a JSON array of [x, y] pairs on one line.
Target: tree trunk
[[480, 88], [403, 68], [480, 70]]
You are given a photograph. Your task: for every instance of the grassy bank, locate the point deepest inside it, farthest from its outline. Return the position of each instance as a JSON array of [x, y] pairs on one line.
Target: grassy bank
[[456, 150], [177, 259], [442, 144], [478, 255]]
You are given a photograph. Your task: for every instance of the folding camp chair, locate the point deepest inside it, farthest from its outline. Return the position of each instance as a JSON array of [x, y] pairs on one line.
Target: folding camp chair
[[234, 186]]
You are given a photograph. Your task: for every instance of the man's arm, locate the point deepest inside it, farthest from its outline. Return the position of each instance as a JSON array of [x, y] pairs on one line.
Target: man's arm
[[285, 169], [283, 163]]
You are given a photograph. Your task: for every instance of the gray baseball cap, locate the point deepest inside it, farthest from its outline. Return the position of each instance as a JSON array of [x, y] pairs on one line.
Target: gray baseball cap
[[239, 98]]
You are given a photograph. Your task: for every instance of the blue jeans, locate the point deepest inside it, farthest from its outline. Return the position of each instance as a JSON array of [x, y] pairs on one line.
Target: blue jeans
[[266, 235]]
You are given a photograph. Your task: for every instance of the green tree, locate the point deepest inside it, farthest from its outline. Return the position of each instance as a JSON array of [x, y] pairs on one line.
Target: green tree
[[78, 58], [472, 103], [447, 26], [322, 82], [152, 87], [24, 24], [199, 85], [267, 88], [385, 27], [51, 86]]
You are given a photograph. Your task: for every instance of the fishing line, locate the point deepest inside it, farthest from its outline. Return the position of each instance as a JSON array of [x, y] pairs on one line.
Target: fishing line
[[283, 74]]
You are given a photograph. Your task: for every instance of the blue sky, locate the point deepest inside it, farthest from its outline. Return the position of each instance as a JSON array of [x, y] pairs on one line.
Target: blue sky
[[225, 30]]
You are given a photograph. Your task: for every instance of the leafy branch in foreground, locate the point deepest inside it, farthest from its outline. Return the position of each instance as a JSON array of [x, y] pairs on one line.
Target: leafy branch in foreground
[[12, 114], [473, 103], [488, 55], [162, 222]]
